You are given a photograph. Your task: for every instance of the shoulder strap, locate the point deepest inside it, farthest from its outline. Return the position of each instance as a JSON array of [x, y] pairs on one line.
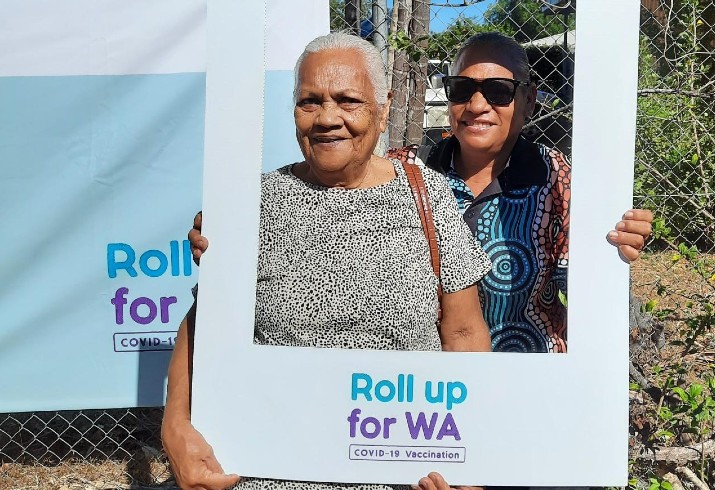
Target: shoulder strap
[[408, 154], [424, 210]]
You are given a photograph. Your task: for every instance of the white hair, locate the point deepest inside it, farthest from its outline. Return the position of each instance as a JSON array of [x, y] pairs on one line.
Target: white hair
[[344, 41]]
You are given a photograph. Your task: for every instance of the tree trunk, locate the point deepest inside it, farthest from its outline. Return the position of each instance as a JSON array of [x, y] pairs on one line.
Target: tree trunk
[[390, 48], [380, 23], [419, 33], [379, 40], [352, 16], [400, 80]]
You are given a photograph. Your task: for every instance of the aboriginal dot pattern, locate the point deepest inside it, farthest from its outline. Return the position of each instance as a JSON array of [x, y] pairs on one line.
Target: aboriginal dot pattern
[[524, 231]]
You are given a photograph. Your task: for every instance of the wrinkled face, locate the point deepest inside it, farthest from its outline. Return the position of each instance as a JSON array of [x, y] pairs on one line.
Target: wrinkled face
[[480, 126], [337, 120]]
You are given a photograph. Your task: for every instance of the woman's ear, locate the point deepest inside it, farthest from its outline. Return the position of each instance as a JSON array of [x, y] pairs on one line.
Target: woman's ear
[[530, 101]]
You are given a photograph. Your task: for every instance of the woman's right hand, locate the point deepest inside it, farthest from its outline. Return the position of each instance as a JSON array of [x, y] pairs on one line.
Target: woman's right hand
[[435, 481], [192, 459], [199, 243]]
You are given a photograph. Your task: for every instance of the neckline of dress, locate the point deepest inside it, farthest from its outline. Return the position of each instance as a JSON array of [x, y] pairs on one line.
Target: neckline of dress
[[399, 174]]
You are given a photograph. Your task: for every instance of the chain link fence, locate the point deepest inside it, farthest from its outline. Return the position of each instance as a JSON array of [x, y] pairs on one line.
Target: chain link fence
[[674, 176], [87, 449], [675, 170]]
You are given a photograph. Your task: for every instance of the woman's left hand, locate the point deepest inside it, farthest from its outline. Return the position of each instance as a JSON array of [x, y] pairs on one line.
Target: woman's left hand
[[435, 481], [631, 233]]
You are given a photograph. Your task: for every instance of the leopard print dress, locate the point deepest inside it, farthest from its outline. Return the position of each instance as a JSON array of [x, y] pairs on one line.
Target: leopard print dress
[[350, 268]]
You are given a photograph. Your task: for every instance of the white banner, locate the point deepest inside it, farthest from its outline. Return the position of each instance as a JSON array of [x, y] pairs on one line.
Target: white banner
[[101, 147], [373, 416]]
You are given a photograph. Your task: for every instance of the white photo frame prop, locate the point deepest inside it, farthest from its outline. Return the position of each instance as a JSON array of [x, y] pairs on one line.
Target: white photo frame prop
[[532, 420]]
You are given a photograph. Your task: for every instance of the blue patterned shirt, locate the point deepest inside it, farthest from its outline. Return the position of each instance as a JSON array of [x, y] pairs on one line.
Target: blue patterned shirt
[[521, 221]]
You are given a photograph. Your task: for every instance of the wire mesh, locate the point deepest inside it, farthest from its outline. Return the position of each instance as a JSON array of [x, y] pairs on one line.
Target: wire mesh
[[675, 174], [89, 449], [675, 140]]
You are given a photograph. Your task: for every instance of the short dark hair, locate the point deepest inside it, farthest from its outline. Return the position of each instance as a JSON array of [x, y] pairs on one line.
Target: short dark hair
[[497, 40]]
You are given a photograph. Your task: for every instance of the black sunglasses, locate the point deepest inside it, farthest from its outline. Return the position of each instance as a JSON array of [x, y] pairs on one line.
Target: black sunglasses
[[497, 91]]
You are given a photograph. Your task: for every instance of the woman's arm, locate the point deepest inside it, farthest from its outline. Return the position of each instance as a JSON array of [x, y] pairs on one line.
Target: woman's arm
[[462, 264], [463, 327], [199, 243], [192, 459]]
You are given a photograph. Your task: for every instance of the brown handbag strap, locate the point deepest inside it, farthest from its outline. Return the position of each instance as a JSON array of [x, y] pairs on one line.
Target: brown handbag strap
[[424, 210]]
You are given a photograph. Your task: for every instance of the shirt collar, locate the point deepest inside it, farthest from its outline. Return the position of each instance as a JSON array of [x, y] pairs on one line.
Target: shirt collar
[[492, 189], [525, 166]]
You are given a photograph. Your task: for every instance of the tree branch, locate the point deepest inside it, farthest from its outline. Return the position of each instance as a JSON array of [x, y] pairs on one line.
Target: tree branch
[[678, 455], [688, 474], [676, 91], [636, 376], [553, 113], [673, 186], [674, 481]]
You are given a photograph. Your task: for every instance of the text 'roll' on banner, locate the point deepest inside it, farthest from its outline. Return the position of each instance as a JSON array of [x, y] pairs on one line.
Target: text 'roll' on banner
[[102, 148]]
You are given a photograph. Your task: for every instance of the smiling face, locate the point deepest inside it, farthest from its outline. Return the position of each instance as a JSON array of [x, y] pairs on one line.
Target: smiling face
[[481, 128], [337, 120]]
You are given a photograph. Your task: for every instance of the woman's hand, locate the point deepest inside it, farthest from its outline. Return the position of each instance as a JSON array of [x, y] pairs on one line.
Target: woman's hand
[[192, 458], [631, 233], [434, 481], [199, 243]]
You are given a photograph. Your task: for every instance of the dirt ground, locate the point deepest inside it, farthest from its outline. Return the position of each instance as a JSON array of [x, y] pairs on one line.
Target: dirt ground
[[672, 348], [77, 475], [678, 293]]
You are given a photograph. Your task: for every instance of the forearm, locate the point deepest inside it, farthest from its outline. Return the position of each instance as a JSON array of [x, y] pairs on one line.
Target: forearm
[[470, 338], [192, 459], [178, 407], [463, 327]]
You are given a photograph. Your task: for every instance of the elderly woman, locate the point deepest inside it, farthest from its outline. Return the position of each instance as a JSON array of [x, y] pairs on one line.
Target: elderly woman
[[343, 259]]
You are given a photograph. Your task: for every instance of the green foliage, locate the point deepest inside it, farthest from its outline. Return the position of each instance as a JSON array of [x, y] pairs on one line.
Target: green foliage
[[524, 20], [690, 411], [649, 306], [675, 146], [685, 411], [685, 252], [696, 408], [444, 45], [337, 15], [563, 299], [660, 229], [401, 41], [440, 45], [656, 484], [697, 323]]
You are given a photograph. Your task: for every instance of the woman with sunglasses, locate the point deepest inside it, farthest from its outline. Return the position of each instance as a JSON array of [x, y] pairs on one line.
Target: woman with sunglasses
[[513, 194]]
